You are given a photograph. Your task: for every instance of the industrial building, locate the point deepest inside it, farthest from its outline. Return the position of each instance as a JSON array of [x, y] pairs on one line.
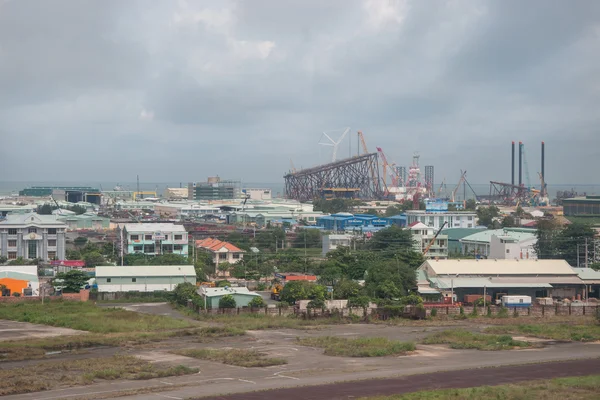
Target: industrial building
[[588, 206], [241, 295], [435, 220], [72, 194], [332, 242], [154, 239], [32, 236], [147, 278], [506, 243], [535, 278], [591, 279], [22, 279], [214, 189], [257, 193], [422, 237], [176, 193], [343, 221], [85, 221], [6, 209]]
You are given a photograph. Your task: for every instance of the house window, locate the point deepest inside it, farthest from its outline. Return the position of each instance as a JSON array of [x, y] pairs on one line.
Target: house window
[[32, 249], [12, 231], [236, 256], [133, 279], [51, 255], [148, 237], [178, 247], [12, 243], [12, 255], [52, 242], [222, 256], [108, 280], [51, 231], [32, 230], [178, 237], [470, 218], [166, 237], [507, 251], [148, 248], [134, 237], [138, 247]]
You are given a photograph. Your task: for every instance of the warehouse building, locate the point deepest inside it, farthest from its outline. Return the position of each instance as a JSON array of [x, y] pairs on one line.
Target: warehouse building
[[147, 278], [588, 206], [535, 278], [214, 189], [503, 243], [72, 194], [242, 295], [22, 279]]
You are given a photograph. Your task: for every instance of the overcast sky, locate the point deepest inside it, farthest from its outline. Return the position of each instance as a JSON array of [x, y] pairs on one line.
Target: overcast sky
[[181, 90]]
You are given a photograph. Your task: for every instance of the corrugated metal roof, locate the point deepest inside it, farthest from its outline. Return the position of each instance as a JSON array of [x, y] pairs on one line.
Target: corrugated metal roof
[[162, 227], [19, 276], [486, 236], [499, 267], [459, 233], [427, 290], [448, 283], [32, 219], [588, 274], [145, 270], [221, 291]]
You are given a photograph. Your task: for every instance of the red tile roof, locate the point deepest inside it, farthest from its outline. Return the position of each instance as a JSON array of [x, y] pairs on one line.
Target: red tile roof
[[413, 224], [216, 245]]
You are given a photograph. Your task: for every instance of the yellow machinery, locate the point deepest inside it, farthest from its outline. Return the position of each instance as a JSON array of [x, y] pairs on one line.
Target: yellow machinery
[[205, 284], [276, 291]]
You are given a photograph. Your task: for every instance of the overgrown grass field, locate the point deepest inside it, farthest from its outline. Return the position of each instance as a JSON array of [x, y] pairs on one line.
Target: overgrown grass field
[[251, 322], [461, 339], [362, 347], [86, 316], [580, 388], [239, 357], [50, 375], [562, 332]]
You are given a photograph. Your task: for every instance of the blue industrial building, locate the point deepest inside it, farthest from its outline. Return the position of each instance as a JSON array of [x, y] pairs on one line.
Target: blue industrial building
[[345, 221]]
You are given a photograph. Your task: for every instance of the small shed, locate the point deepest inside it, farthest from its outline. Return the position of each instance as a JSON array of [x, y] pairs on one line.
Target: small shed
[[242, 295]]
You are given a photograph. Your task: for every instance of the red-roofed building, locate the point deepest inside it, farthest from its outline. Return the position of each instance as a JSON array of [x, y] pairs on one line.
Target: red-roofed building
[[221, 252]]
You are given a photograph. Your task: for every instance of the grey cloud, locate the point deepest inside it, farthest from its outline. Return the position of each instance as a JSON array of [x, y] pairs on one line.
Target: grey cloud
[[258, 81]]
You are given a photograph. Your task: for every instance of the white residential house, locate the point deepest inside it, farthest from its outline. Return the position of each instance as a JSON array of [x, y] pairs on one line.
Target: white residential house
[[332, 242], [154, 239], [514, 240], [509, 247], [435, 220], [423, 235]]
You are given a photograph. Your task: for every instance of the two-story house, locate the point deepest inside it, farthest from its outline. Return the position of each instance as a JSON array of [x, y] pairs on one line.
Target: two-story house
[[154, 239], [220, 251], [32, 236], [422, 237]]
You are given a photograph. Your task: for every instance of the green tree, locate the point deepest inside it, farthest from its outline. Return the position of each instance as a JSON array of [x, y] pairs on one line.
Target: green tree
[[184, 292], [388, 290], [346, 289], [301, 290], [372, 211], [391, 239], [508, 221], [71, 281], [360, 301], [310, 238], [570, 237], [224, 267], [18, 261], [45, 209], [3, 259], [227, 301], [80, 241], [486, 215], [93, 259], [397, 209], [383, 272], [470, 205], [257, 302], [73, 254], [77, 209]]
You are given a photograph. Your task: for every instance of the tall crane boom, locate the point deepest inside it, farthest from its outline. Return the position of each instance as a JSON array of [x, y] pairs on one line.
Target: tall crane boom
[[434, 237], [461, 180]]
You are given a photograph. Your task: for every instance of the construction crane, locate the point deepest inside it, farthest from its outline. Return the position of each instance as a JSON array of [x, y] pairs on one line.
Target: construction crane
[[461, 180], [434, 237], [366, 151], [57, 206], [442, 186], [387, 168]]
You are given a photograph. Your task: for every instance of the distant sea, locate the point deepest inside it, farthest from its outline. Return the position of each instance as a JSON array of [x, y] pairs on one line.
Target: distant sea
[[8, 188]]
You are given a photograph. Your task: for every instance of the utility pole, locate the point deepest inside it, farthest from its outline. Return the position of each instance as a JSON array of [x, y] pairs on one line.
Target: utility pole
[[586, 252]]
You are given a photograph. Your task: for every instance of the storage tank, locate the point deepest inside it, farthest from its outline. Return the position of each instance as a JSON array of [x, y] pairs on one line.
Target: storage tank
[[516, 301]]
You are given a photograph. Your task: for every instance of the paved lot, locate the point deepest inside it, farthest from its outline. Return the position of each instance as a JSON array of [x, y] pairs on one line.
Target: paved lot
[[12, 330]]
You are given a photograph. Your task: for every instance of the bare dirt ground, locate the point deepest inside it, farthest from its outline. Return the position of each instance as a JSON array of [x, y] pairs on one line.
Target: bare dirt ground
[[12, 330]]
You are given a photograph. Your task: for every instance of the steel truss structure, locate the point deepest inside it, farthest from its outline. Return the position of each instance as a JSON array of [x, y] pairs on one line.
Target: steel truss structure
[[507, 193], [360, 172]]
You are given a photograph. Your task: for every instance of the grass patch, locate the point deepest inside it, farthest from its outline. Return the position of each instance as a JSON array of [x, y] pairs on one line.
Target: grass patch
[[86, 316], [562, 332], [248, 322], [362, 347], [461, 339], [580, 388], [51, 375], [239, 357], [28, 349], [214, 332]]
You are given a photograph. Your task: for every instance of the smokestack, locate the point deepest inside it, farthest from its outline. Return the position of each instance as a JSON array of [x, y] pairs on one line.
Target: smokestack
[[512, 165], [520, 163], [543, 162]]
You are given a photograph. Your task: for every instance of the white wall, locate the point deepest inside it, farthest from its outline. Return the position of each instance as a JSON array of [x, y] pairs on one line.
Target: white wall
[[332, 242], [135, 287], [509, 251]]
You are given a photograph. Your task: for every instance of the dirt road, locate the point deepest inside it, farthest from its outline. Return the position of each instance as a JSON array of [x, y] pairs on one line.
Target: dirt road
[[414, 383]]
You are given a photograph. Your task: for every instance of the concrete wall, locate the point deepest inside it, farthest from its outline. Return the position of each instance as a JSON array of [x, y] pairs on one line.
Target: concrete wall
[[142, 284]]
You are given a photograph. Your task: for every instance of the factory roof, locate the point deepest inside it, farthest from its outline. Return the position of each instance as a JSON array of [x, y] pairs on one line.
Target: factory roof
[[159, 227], [459, 233], [145, 270], [519, 234], [588, 275], [31, 219], [19, 276], [498, 267], [448, 283], [586, 199], [222, 291]]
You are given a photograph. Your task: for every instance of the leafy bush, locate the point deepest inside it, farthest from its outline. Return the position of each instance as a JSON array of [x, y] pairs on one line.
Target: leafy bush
[[393, 311], [461, 310], [503, 312], [360, 301], [16, 294], [434, 312], [227, 301], [302, 290], [261, 286], [223, 283], [184, 292], [257, 302], [515, 313], [474, 312], [411, 299], [316, 303], [489, 311]]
